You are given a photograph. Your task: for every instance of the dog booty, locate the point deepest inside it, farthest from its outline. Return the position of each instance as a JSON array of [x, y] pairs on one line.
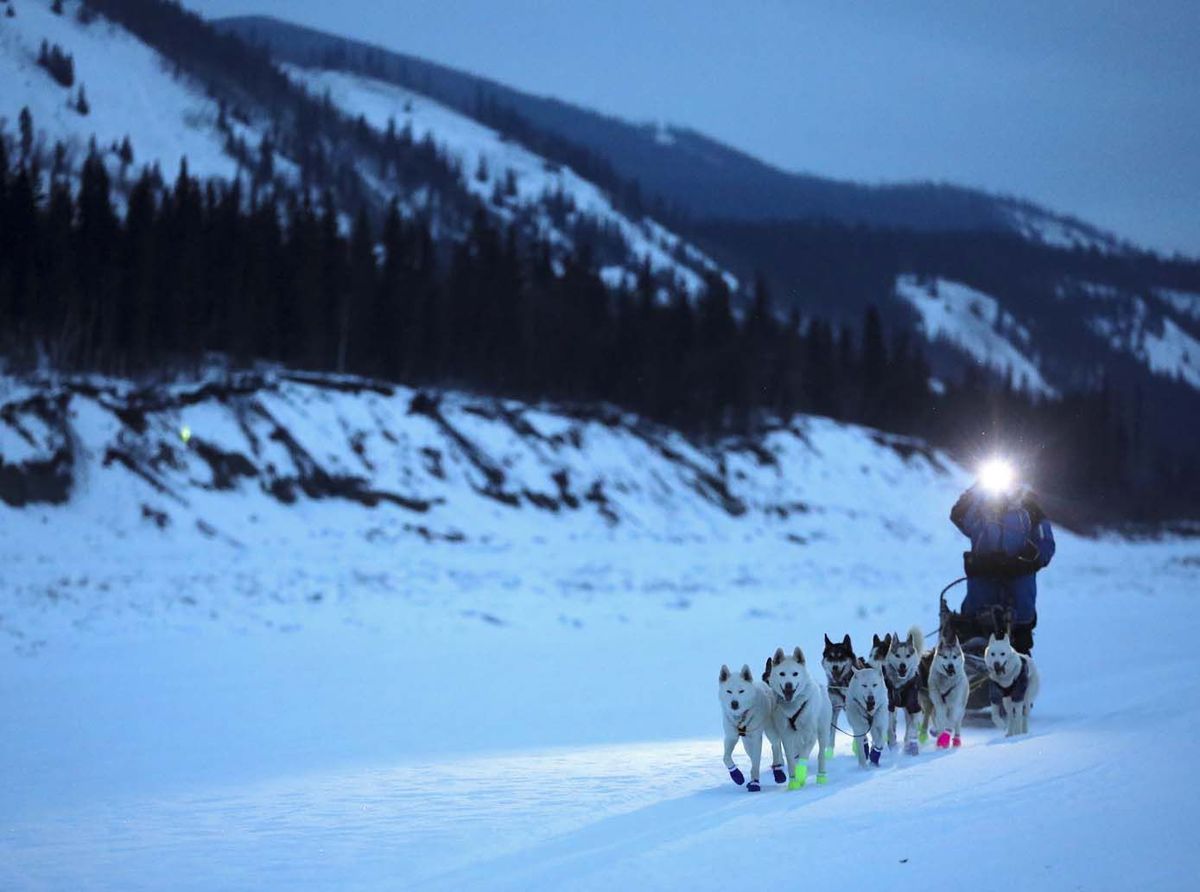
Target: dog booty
[[799, 776], [736, 774], [943, 742], [856, 746], [874, 755], [924, 736], [753, 787], [822, 778], [780, 774], [912, 748], [957, 740], [829, 752]]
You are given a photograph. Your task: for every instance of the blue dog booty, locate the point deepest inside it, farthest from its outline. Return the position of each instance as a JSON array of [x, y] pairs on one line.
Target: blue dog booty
[[876, 752], [780, 774], [736, 774], [753, 787]]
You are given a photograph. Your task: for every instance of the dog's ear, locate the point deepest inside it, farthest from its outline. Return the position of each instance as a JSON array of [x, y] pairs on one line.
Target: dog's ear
[[909, 639], [991, 639], [875, 642], [724, 676], [766, 676], [828, 643], [778, 658], [846, 641], [889, 642], [798, 655], [747, 675]]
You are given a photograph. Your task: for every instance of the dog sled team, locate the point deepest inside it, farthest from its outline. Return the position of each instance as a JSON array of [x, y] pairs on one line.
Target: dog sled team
[[1011, 540], [795, 713]]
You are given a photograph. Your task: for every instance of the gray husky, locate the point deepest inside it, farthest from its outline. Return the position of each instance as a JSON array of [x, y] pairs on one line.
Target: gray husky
[[866, 710], [838, 660], [900, 671], [1014, 683], [802, 714], [944, 692], [746, 713]]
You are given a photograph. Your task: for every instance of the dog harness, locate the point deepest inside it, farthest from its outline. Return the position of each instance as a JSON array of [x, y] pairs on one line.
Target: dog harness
[[1015, 691], [745, 724], [796, 715], [838, 680], [906, 695]]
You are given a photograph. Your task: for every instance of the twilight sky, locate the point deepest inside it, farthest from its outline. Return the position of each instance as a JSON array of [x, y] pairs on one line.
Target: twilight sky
[[1090, 107]]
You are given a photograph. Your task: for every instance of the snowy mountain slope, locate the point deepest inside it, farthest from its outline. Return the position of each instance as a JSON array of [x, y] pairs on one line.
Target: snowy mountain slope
[[703, 177], [1159, 334], [975, 323], [499, 170], [131, 90], [334, 700]]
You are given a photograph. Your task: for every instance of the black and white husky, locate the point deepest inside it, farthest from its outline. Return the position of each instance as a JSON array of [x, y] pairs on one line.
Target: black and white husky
[[1014, 685], [879, 650], [838, 662], [746, 713], [944, 691], [802, 714], [900, 671], [866, 711]]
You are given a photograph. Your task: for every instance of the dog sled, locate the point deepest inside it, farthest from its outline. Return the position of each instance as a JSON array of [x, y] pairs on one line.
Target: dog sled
[[973, 632]]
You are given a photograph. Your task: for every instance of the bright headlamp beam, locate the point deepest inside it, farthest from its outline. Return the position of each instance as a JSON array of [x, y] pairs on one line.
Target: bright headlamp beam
[[997, 476]]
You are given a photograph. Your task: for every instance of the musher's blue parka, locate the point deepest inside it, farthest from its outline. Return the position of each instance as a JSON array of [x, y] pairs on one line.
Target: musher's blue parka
[[1014, 525]]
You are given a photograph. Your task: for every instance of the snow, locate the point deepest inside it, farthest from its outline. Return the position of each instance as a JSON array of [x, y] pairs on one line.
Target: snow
[[1185, 302], [330, 701], [1130, 326], [474, 143], [976, 324], [130, 88], [1059, 232]]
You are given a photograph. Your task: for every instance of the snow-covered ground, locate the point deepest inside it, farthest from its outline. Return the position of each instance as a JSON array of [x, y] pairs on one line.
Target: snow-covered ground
[[480, 149], [131, 90], [975, 323], [312, 695]]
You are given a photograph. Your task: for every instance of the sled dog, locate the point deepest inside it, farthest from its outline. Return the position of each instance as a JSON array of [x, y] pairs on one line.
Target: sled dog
[[900, 672], [1014, 685], [838, 661], [944, 691], [746, 714], [879, 650], [802, 714], [866, 710]]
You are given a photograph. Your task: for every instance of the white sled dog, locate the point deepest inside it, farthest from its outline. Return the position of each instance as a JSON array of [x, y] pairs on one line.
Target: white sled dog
[[900, 671], [866, 710], [1015, 685], [944, 692], [746, 706], [802, 715]]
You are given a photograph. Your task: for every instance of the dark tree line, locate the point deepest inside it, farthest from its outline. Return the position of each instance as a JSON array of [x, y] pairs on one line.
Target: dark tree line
[[195, 268], [192, 269]]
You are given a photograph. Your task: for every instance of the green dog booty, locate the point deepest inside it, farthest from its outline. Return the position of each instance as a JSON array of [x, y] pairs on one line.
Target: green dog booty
[[828, 752], [923, 736], [822, 778], [857, 746], [799, 776]]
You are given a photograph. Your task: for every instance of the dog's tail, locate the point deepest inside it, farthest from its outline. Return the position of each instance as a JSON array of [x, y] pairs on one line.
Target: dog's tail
[[918, 639]]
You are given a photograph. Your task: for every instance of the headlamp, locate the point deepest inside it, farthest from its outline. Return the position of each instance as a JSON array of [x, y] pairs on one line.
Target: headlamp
[[997, 476]]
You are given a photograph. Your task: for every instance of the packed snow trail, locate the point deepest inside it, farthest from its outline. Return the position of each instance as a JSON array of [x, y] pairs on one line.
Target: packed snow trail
[[320, 694], [485, 788]]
